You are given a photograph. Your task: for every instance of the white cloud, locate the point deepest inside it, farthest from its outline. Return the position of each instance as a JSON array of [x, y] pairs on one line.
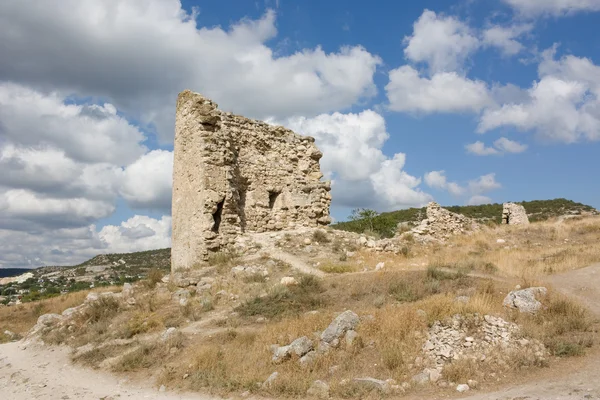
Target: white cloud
[[351, 143], [443, 92], [147, 183], [478, 200], [504, 37], [352, 155], [438, 180], [49, 171], [501, 146], [145, 52], [397, 188], [479, 148], [86, 133], [34, 210], [443, 42], [484, 184], [509, 146], [563, 106], [533, 8], [138, 233], [70, 246]]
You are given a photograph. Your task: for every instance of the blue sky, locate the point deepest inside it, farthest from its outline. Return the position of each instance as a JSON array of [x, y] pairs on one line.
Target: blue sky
[[461, 102]]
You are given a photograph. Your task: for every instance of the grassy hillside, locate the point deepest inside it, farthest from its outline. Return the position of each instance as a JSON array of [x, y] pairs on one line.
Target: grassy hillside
[[538, 210]]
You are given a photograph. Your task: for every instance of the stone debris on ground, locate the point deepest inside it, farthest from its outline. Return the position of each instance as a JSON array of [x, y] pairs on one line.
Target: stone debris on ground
[[249, 270], [440, 225], [474, 337], [525, 300]]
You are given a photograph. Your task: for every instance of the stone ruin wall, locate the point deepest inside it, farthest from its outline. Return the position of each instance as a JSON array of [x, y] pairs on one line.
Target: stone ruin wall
[[232, 175], [514, 214]]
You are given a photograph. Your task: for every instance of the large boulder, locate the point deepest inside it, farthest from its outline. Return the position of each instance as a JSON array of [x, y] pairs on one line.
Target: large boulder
[[346, 321], [299, 347], [525, 300]]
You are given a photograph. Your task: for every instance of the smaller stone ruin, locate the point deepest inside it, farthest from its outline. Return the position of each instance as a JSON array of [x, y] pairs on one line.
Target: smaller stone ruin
[[441, 224], [514, 214]]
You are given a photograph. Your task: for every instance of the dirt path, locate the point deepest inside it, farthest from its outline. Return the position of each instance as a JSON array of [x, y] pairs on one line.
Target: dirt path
[[295, 262], [47, 373]]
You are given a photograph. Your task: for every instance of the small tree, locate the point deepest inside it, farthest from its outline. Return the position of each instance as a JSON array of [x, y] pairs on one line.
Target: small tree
[[364, 215]]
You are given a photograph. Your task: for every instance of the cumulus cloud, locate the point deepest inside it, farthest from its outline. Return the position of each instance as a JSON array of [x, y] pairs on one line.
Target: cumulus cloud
[[438, 180], [501, 146], [475, 188], [484, 184], [353, 157], [563, 106], [479, 148], [397, 188], [443, 42], [443, 92], [509, 146], [478, 200], [148, 181], [505, 37], [26, 210], [138, 233], [532, 8], [351, 143], [68, 246], [86, 133], [145, 52]]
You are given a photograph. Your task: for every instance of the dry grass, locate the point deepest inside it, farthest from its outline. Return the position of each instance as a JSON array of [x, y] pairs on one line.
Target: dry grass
[[528, 251], [391, 335], [338, 268], [565, 327], [22, 318]]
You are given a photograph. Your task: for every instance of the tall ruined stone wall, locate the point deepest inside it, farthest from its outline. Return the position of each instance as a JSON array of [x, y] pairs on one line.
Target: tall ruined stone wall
[[514, 214], [232, 174]]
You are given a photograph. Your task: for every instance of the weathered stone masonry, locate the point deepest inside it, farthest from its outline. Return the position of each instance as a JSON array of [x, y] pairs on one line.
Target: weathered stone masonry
[[232, 174]]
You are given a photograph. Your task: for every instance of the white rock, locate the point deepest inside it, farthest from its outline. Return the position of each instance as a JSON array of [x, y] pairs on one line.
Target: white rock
[[378, 384], [379, 266], [462, 388], [271, 379], [288, 281], [168, 333], [348, 320], [525, 300], [318, 389], [500, 241]]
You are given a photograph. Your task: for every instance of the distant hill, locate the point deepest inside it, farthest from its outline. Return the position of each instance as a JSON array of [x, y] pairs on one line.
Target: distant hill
[[538, 210]]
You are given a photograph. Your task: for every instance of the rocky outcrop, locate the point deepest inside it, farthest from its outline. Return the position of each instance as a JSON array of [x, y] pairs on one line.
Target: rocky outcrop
[[232, 175], [525, 300], [441, 224], [514, 214], [346, 321]]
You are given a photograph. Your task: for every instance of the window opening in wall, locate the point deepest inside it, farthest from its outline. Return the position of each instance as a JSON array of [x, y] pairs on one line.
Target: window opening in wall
[[217, 216], [272, 198]]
